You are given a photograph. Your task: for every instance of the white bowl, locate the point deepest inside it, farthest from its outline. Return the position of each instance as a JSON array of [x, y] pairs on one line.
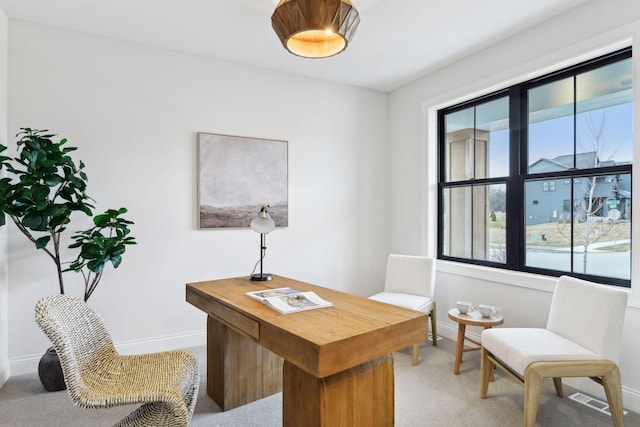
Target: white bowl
[[486, 310], [464, 307]]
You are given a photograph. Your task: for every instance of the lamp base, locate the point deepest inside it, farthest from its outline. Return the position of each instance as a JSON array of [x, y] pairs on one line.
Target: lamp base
[[263, 277]]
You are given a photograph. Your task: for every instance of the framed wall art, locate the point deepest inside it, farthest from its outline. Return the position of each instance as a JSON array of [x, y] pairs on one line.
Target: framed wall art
[[236, 176]]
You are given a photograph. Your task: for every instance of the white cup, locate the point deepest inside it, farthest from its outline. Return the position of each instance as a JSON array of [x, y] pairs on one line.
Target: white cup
[[464, 307], [487, 310]]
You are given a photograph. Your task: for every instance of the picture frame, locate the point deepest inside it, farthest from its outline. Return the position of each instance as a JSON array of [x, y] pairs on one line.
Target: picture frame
[[237, 175]]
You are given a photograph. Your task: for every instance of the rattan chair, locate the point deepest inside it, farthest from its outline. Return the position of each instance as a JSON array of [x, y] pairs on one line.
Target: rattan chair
[[410, 283], [165, 383], [583, 338]]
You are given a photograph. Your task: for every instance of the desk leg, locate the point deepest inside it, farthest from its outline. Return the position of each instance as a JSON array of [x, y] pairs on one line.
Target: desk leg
[[459, 346], [239, 371], [360, 396]]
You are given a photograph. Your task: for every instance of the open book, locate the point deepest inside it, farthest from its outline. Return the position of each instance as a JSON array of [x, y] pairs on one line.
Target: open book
[[289, 300]]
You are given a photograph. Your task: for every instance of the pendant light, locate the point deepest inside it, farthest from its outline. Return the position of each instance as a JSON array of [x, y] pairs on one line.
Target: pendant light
[[315, 28]]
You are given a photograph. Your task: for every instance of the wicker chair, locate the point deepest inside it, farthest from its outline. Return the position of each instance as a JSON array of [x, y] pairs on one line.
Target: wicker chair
[[165, 383]]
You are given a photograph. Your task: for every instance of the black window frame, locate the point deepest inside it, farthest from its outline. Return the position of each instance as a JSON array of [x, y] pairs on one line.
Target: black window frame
[[518, 162]]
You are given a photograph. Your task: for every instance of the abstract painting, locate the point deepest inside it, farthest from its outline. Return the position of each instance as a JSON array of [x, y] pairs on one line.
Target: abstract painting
[[236, 176]]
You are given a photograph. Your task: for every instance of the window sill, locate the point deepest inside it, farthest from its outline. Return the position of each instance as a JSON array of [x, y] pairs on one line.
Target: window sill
[[512, 278]]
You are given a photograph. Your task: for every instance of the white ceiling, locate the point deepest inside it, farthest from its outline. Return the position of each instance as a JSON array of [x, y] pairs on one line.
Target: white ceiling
[[397, 40]]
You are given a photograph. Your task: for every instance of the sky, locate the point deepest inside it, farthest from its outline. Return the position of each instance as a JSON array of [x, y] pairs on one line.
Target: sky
[[603, 97], [552, 138]]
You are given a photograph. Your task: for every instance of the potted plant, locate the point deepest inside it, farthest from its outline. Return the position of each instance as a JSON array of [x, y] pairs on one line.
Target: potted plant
[[42, 190]]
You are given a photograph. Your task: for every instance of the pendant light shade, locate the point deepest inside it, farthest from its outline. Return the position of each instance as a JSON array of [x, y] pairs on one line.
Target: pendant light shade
[[315, 28]]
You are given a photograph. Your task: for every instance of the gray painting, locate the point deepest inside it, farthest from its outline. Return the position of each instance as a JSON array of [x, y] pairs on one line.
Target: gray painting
[[236, 176]]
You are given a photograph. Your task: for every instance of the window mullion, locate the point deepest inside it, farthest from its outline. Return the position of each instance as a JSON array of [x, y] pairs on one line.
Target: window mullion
[[515, 181]]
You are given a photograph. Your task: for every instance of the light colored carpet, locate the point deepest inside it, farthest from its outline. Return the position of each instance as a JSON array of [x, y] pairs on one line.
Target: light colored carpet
[[426, 395]]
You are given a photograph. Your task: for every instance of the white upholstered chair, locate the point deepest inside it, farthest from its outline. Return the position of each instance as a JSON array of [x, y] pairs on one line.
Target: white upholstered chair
[[582, 339], [410, 283], [165, 384]]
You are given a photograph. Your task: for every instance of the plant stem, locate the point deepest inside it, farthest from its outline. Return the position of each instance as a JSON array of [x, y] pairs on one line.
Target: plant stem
[[55, 256], [94, 283], [56, 246]]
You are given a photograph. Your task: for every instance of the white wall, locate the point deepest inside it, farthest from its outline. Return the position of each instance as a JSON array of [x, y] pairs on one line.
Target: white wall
[[4, 296], [134, 112], [586, 31]]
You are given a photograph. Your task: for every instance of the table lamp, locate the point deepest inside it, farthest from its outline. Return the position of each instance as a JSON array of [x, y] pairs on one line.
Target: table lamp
[[262, 224]]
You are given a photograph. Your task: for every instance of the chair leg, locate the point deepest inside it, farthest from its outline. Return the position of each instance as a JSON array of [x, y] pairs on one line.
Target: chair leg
[[433, 317], [415, 348], [486, 367], [557, 382], [532, 390], [613, 390]]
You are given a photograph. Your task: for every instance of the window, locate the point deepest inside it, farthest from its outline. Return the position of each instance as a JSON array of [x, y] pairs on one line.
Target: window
[[537, 177]]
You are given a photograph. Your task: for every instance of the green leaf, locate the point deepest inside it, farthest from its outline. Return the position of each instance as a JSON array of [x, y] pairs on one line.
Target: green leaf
[[101, 219], [53, 180], [95, 266], [35, 222], [42, 242], [118, 250], [86, 208], [115, 261], [91, 251]]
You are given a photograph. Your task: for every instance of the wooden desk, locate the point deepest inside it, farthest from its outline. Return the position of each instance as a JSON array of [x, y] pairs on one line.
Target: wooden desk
[[474, 319], [338, 366]]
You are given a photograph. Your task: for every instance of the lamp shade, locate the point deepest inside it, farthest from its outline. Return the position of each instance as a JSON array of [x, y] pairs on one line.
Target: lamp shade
[[262, 223], [315, 28]]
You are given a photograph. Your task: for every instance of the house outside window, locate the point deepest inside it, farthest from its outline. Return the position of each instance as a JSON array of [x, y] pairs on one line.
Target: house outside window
[[548, 186], [537, 177]]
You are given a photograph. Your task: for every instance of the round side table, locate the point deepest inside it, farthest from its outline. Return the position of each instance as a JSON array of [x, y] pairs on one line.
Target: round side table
[[474, 319]]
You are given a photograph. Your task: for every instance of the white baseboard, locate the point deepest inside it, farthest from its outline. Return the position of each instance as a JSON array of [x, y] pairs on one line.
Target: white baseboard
[[4, 372], [29, 364], [170, 342], [25, 364], [630, 397]]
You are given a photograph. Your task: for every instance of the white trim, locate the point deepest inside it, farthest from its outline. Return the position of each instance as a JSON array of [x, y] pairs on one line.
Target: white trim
[[505, 277], [29, 364], [589, 49], [509, 277], [523, 73], [5, 373], [169, 342]]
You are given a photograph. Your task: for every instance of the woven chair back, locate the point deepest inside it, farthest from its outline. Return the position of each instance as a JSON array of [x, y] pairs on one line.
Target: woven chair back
[[77, 332]]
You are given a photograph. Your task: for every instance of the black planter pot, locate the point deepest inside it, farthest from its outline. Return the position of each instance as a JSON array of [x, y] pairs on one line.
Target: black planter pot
[[50, 371]]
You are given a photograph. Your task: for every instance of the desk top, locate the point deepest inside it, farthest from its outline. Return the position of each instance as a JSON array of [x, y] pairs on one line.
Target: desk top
[[322, 342]]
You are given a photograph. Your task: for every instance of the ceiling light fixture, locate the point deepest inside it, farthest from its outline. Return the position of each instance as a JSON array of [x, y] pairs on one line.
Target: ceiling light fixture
[[315, 28]]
